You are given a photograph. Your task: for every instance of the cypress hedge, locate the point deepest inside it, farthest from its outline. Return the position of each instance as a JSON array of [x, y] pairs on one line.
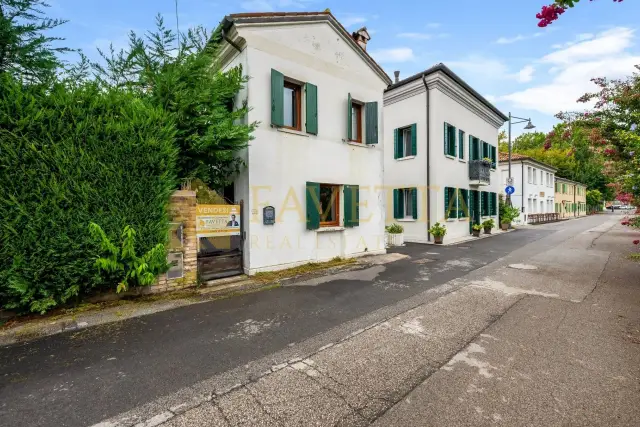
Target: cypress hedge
[[70, 156]]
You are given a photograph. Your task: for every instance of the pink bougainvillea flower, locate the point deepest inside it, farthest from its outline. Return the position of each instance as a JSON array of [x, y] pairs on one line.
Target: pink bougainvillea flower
[[636, 242]]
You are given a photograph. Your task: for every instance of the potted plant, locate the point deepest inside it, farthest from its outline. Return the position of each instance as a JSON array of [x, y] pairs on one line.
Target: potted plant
[[438, 231], [476, 230], [486, 161], [488, 225], [395, 234], [509, 213]]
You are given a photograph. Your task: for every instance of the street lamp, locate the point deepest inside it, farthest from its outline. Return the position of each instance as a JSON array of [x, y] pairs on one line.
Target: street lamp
[[529, 126]]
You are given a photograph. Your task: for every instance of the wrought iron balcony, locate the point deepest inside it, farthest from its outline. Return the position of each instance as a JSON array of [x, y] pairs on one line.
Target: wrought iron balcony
[[479, 172]]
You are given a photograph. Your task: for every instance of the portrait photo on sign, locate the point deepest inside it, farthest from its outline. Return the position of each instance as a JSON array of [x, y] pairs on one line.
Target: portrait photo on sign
[[233, 222]]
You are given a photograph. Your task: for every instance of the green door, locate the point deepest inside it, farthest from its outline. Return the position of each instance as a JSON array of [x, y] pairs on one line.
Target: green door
[[474, 209]]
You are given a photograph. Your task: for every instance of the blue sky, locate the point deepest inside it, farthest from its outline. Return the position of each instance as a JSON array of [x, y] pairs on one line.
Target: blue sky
[[499, 50]]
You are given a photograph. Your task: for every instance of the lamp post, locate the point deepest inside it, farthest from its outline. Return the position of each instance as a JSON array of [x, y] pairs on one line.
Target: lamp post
[[529, 126]]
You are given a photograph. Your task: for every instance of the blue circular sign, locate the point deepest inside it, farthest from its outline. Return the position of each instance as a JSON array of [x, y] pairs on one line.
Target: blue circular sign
[[509, 190]]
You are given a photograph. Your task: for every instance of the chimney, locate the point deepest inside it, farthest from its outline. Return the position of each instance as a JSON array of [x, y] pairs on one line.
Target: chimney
[[396, 74], [362, 37]]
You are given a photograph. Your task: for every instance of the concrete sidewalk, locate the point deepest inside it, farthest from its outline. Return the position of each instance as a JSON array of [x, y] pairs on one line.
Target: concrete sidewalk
[[549, 339]]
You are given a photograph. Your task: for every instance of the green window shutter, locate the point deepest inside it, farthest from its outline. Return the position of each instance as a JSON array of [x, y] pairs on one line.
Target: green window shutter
[[446, 138], [277, 98], [462, 202], [471, 206], [485, 149], [311, 105], [414, 201], [493, 203], [414, 139], [446, 201], [398, 203], [351, 205], [349, 130], [313, 205], [484, 204], [461, 144], [471, 157], [494, 157], [453, 142], [396, 144], [371, 122]]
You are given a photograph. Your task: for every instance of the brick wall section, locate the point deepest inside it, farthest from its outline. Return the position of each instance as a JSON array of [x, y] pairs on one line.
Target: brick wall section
[[182, 209]]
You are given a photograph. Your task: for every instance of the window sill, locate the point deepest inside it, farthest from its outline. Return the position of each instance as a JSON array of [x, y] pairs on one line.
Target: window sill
[[463, 219], [450, 157], [293, 132], [451, 219], [329, 229], [462, 160], [406, 220], [406, 158], [359, 144]]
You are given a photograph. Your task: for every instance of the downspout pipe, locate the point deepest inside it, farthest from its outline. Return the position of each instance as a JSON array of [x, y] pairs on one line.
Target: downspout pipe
[[428, 192]]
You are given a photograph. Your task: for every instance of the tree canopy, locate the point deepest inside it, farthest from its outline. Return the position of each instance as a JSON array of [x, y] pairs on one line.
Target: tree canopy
[[26, 52]]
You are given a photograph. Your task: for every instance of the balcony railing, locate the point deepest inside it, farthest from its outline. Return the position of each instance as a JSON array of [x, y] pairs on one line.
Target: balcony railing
[[479, 172]]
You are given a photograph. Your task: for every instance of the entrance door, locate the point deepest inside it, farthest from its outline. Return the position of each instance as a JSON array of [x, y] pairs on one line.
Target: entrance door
[[219, 230], [474, 209]]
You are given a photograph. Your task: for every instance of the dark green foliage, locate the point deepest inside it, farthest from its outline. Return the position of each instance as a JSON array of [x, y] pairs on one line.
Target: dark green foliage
[[70, 157], [187, 83], [25, 52]]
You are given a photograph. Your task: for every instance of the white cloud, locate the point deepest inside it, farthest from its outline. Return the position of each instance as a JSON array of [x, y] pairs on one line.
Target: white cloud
[[348, 21], [415, 36], [519, 37], [393, 55], [609, 42], [525, 75], [481, 66], [572, 68]]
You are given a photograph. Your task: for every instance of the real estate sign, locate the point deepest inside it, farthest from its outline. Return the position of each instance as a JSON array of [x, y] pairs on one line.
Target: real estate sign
[[218, 220]]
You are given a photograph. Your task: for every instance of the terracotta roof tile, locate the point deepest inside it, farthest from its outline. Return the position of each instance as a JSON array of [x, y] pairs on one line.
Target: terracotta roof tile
[[504, 157]]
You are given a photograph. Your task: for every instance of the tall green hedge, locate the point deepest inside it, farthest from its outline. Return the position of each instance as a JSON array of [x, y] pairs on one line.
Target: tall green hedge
[[68, 157]]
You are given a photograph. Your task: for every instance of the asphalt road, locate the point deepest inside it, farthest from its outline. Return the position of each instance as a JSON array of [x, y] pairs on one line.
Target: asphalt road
[[81, 378]]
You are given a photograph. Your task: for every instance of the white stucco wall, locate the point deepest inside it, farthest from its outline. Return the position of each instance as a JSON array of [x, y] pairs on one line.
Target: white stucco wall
[[525, 190], [280, 163], [406, 105], [408, 172]]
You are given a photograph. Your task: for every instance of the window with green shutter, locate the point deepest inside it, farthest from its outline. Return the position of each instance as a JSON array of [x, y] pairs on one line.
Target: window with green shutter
[[461, 144], [463, 203], [450, 202], [371, 123], [311, 107], [484, 203], [405, 142], [485, 150], [449, 140], [493, 203], [351, 205], [313, 205], [474, 148], [277, 98], [494, 157], [405, 203]]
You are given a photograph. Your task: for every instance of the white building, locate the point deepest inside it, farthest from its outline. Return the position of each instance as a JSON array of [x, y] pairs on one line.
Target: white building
[[437, 131], [533, 182], [317, 156]]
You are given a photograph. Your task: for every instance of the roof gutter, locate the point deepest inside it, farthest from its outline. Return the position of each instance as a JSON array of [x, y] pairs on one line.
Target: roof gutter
[[428, 126]]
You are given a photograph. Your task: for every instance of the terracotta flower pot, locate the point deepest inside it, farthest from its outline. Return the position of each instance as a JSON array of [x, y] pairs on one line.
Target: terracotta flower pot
[[476, 233], [438, 239], [487, 230], [505, 226]]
